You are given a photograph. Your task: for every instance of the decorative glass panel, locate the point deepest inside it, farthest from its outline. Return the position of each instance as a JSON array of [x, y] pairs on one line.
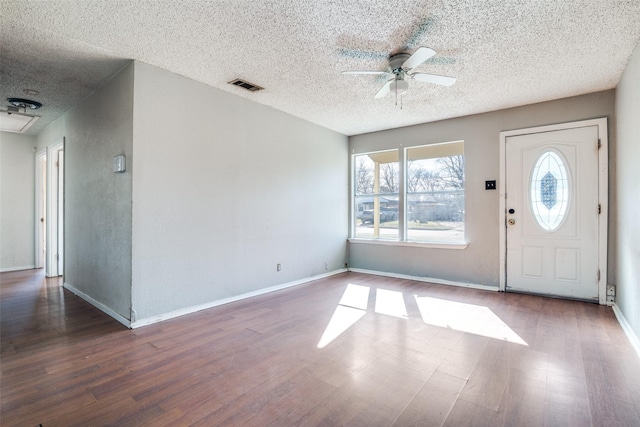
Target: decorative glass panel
[[549, 190], [548, 187]]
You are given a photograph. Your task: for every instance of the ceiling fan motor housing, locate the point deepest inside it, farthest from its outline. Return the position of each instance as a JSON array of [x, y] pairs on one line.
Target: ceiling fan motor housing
[[396, 61]]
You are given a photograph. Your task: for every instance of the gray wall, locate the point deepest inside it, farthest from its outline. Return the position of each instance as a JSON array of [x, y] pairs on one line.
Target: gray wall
[[479, 262], [223, 190], [98, 201], [628, 192], [17, 201]]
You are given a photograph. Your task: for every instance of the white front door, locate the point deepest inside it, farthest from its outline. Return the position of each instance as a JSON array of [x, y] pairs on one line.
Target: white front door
[[552, 207]]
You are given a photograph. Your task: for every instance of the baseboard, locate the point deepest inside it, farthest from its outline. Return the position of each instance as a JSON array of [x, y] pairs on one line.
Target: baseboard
[[98, 305], [24, 267], [136, 323], [426, 279], [626, 327]]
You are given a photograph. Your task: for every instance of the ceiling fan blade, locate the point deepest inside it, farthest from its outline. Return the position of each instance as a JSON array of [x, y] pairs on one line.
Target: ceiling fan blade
[[433, 78], [375, 73], [420, 32], [362, 54], [418, 57], [384, 90]]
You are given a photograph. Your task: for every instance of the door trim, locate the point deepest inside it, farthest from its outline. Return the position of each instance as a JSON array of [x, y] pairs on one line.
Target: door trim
[[40, 196], [603, 183], [53, 201]]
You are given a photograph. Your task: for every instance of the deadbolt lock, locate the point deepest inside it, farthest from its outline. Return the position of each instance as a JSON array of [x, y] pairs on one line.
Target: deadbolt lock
[[511, 221]]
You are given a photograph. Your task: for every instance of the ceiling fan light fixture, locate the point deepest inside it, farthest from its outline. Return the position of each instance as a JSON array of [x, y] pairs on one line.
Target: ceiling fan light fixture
[[398, 87]]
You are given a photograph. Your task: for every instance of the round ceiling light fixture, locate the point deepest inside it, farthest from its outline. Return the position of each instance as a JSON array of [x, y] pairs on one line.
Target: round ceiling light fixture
[[24, 103], [399, 87]]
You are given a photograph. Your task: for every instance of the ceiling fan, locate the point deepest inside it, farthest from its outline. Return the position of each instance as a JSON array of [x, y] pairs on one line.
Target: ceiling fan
[[399, 69]]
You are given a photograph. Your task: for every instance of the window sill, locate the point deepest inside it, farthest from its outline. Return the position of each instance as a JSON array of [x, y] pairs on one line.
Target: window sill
[[426, 245]]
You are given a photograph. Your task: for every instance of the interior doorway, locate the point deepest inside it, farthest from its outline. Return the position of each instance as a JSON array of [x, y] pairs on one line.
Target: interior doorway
[[50, 209]]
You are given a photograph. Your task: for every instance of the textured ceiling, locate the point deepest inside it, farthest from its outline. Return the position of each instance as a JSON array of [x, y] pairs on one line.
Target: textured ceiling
[[504, 53]]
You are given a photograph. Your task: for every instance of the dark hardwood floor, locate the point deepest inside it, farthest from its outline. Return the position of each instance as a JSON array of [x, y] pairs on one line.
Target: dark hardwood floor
[[353, 349]]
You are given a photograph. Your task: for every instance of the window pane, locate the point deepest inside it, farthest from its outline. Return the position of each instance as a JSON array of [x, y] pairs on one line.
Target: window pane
[[549, 191], [376, 184], [435, 193]]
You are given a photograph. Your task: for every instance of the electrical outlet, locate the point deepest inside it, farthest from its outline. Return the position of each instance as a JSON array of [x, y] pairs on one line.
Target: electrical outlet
[[490, 185], [278, 267], [611, 290]]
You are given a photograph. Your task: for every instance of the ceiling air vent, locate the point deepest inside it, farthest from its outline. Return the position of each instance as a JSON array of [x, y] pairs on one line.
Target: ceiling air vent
[[248, 86], [13, 120]]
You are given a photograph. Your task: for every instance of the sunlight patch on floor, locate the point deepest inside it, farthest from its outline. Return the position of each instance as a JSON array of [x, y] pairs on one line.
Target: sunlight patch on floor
[[471, 318], [351, 308], [356, 296], [391, 303], [343, 318], [474, 319]]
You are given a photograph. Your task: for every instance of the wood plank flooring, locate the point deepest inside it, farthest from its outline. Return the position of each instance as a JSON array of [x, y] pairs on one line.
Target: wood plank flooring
[[392, 352]]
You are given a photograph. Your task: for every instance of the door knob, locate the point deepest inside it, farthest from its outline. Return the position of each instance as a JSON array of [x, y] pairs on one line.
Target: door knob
[[512, 211]]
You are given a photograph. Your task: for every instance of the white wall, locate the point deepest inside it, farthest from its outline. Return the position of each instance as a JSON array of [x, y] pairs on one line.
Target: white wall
[[51, 134], [97, 226], [17, 201], [479, 262], [628, 193], [223, 190]]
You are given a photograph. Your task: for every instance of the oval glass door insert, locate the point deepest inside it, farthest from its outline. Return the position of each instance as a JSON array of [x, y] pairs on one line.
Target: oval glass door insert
[[549, 190]]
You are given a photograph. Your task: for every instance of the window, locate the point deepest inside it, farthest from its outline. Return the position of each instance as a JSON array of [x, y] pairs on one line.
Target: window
[[426, 205], [435, 193], [377, 189], [549, 190]]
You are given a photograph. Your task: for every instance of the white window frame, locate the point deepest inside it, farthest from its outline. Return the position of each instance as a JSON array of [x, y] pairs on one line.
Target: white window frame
[[354, 207], [402, 198]]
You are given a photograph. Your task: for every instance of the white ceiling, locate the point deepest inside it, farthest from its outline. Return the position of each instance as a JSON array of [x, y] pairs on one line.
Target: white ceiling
[[504, 53]]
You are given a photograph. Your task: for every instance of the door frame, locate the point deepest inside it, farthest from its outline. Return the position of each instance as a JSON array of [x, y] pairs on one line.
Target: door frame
[[40, 204], [603, 199], [52, 211], [59, 194], [54, 202]]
